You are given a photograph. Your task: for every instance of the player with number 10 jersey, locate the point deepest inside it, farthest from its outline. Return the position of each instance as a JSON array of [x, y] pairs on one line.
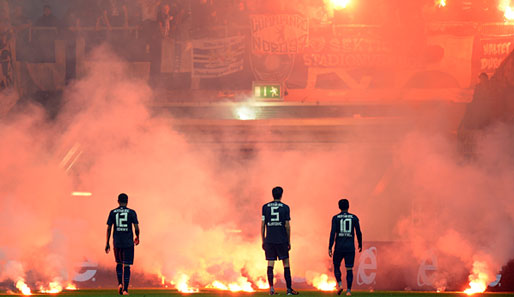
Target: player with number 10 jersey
[[344, 226]]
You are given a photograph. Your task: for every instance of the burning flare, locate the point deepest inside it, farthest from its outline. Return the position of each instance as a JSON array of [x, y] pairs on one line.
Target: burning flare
[[71, 287], [478, 279], [440, 3], [340, 4], [22, 286], [262, 284], [508, 11], [242, 285], [322, 283], [53, 288], [182, 285]]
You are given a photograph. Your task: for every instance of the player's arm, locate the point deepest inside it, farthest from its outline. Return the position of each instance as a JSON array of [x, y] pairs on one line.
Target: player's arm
[[263, 231], [359, 234], [263, 226], [288, 231], [107, 246], [332, 237], [136, 230], [288, 227], [135, 221]]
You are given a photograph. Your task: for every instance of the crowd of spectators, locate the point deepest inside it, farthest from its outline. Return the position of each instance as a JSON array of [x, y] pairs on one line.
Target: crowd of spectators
[[197, 18], [163, 17]]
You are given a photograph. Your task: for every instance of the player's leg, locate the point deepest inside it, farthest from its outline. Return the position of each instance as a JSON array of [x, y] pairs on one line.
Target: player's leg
[[118, 255], [349, 260], [271, 265], [283, 254], [337, 258], [271, 256], [126, 278], [128, 259]]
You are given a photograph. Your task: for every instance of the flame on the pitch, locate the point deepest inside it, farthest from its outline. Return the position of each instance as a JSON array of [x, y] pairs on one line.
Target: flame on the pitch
[[262, 284], [71, 287], [182, 285], [340, 4], [478, 279], [53, 288], [322, 283], [508, 11], [440, 3], [242, 285], [22, 286]]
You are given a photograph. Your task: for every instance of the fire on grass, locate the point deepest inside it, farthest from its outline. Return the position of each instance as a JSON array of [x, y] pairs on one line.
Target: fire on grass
[[242, 284], [478, 279], [54, 287], [322, 283], [183, 284]]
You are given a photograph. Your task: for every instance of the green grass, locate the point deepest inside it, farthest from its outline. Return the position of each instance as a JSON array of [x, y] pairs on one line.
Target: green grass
[[174, 293]]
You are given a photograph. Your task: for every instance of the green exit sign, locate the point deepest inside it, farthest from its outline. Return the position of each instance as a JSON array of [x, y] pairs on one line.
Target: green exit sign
[[267, 90]]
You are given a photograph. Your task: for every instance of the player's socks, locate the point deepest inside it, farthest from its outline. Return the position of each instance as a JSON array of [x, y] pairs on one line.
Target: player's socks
[[119, 273], [270, 276], [337, 274], [126, 278], [120, 289], [287, 276], [349, 280]]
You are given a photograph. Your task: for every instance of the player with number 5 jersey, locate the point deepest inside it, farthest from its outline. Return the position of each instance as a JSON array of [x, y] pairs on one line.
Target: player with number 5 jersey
[[276, 237], [344, 228], [122, 218]]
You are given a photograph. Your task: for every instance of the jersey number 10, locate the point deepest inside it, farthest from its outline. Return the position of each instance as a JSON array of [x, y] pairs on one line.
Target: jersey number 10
[[121, 219], [346, 225]]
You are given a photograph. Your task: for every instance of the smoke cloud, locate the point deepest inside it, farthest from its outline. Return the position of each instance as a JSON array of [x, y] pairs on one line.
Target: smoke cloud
[[199, 208]]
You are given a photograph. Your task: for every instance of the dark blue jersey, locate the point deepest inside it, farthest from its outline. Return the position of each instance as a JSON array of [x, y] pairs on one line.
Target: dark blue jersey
[[342, 232], [122, 218], [274, 215]]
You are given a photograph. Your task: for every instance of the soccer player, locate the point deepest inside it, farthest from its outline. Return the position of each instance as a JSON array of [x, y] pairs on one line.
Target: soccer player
[[123, 240], [342, 232], [276, 237]]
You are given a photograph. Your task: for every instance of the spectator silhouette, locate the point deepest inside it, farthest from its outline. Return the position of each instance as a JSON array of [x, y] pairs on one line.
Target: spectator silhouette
[[114, 13], [164, 19], [479, 111], [47, 19]]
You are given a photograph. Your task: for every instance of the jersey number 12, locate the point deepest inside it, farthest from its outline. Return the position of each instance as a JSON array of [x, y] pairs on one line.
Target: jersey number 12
[[121, 219]]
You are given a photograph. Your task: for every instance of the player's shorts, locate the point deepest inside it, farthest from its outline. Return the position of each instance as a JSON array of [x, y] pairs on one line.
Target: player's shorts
[[349, 258], [124, 255], [276, 251]]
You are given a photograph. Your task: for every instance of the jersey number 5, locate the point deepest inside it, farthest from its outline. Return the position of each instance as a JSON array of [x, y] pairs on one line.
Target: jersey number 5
[[275, 215], [121, 219], [346, 225]]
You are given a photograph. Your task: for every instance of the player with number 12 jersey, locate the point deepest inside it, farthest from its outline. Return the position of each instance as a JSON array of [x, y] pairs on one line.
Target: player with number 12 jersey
[[122, 218]]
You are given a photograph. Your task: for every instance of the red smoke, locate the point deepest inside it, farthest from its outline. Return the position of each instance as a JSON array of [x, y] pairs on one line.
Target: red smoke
[[199, 209]]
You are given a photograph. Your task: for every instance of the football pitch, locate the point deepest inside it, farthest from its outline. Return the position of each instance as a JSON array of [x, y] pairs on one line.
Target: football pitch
[[174, 293]]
